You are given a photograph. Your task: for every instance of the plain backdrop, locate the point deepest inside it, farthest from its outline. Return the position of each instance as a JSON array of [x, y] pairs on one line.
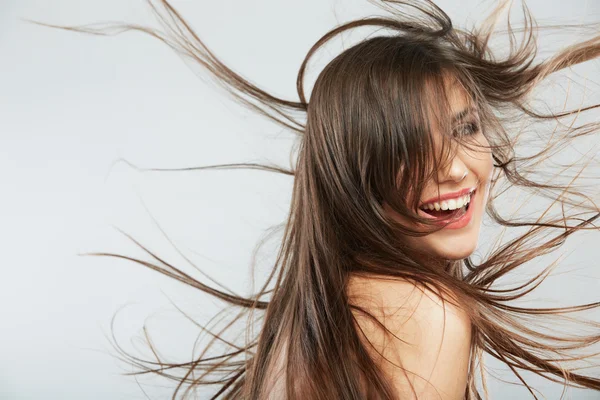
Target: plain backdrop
[[71, 105]]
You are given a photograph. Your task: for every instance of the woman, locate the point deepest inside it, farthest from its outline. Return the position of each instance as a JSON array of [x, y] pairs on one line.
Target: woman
[[407, 139]]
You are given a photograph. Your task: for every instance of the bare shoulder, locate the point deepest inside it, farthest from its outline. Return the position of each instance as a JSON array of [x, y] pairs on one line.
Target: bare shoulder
[[274, 385], [428, 346]]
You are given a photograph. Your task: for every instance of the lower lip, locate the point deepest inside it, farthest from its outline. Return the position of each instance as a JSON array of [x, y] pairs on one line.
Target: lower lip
[[462, 221]]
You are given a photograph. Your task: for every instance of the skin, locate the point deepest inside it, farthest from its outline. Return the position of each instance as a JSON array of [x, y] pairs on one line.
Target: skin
[[425, 354]]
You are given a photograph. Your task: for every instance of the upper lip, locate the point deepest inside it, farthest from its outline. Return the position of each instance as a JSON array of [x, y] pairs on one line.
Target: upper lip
[[451, 195]]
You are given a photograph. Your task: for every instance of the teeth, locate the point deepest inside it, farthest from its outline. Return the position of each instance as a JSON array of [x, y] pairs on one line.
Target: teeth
[[451, 204]]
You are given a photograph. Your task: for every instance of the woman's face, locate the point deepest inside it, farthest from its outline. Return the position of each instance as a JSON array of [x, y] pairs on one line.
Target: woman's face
[[466, 178]]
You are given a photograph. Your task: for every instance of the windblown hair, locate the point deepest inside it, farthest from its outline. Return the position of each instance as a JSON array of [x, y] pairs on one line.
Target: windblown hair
[[364, 138]]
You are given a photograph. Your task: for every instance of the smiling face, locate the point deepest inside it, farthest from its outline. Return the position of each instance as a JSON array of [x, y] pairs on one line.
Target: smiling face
[[465, 179]]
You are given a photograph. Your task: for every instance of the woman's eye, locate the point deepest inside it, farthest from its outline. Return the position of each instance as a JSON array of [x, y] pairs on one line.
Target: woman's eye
[[466, 129]]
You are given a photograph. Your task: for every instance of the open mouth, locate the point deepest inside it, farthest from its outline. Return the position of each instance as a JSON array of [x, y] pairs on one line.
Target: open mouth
[[453, 208]]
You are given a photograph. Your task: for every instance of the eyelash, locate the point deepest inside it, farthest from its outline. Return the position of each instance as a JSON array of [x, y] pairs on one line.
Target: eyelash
[[473, 128]]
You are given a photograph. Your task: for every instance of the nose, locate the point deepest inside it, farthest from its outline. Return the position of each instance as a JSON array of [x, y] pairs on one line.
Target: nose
[[456, 171]]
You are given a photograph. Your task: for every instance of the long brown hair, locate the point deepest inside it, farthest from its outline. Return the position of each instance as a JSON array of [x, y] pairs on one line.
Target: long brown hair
[[364, 138]]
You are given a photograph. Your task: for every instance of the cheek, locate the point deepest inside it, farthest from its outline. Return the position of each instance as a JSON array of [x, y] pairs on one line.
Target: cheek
[[484, 167], [479, 158]]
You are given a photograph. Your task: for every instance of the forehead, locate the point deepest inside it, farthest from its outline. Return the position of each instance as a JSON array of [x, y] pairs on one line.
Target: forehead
[[449, 92], [447, 102], [458, 98]]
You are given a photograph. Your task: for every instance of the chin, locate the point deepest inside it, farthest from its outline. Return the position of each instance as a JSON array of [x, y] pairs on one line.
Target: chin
[[454, 251]]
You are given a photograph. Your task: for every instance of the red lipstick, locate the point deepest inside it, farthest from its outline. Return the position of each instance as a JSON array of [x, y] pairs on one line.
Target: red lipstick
[[461, 221]]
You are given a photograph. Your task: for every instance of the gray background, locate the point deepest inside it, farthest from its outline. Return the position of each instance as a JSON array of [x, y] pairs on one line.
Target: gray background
[[72, 104]]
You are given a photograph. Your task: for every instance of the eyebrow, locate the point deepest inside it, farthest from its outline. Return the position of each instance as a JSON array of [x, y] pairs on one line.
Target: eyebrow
[[462, 114]]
